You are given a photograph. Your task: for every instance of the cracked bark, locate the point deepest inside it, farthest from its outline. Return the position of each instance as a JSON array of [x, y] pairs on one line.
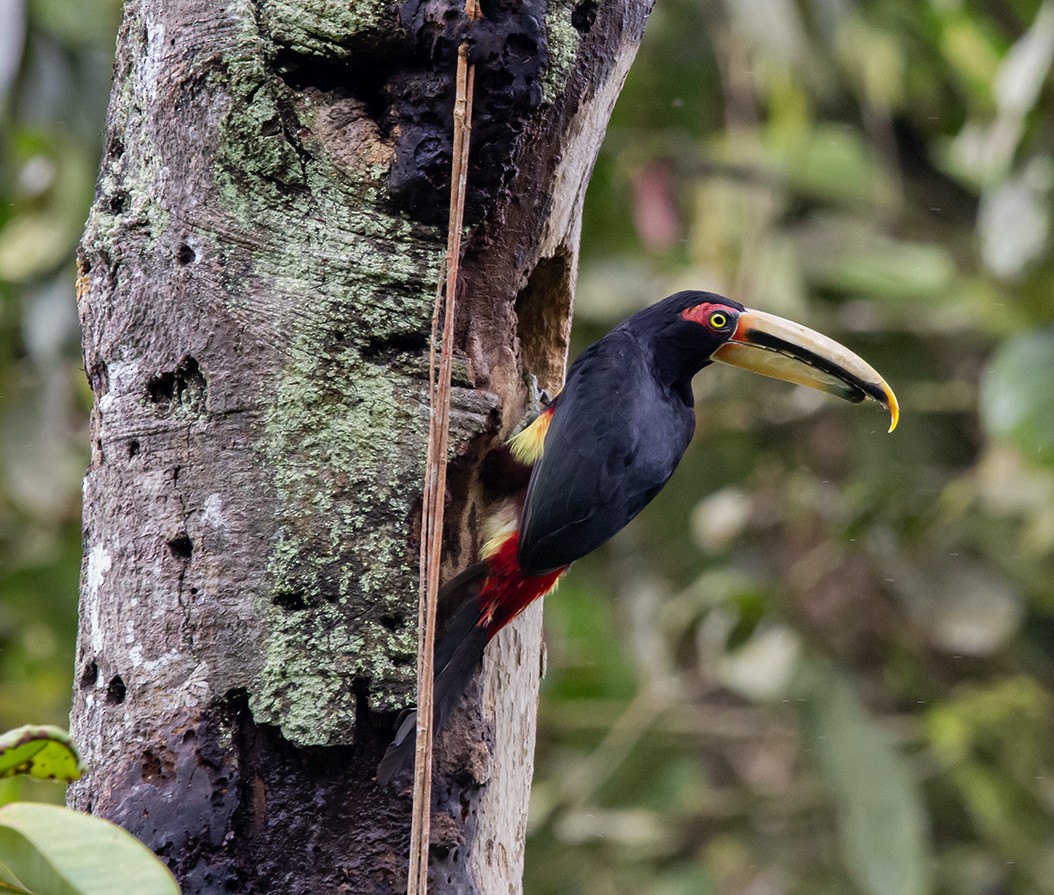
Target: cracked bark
[[256, 281]]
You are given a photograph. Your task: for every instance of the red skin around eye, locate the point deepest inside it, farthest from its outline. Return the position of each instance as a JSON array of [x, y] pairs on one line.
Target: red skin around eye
[[701, 313]]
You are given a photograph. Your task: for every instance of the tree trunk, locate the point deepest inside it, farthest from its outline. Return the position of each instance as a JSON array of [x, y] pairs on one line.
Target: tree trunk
[[256, 289]]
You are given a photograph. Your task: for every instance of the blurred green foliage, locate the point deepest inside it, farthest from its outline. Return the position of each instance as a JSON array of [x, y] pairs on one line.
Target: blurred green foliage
[[821, 662]]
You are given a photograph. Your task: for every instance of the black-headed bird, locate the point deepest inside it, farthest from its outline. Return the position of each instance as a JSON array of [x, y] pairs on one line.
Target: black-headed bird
[[605, 446]]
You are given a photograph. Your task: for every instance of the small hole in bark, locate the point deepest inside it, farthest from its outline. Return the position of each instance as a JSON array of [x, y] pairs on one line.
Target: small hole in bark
[[181, 547], [523, 45], [90, 675], [183, 386], [272, 127], [116, 147], [193, 591], [403, 660], [584, 15], [289, 600], [115, 691], [133, 449], [365, 79], [151, 767], [185, 254], [119, 202], [161, 388], [392, 622], [395, 343]]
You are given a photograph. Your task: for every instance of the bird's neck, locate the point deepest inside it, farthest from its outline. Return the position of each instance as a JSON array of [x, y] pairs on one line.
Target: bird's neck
[[683, 389], [675, 366]]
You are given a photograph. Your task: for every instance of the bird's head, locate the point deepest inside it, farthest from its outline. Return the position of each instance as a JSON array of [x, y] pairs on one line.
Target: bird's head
[[710, 327]]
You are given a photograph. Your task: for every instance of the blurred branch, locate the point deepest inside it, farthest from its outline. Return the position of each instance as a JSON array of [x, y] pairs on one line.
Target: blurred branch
[[706, 722]]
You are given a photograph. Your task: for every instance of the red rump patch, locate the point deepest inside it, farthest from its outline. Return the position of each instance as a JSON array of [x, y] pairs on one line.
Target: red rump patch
[[507, 591]]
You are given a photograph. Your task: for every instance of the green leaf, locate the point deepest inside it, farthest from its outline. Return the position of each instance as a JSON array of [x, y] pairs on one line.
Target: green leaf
[[41, 751], [881, 820], [49, 850], [1017, 394]]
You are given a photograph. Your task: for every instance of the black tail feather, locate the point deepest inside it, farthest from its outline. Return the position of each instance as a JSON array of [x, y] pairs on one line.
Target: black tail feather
[[453, 593], [456, 657]]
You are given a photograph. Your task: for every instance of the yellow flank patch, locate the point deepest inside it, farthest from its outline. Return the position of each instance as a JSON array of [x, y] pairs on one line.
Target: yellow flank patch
[[528, 445]]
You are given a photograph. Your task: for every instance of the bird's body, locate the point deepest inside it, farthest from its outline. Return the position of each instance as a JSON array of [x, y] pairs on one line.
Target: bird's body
[[617, 433], [606, 446]]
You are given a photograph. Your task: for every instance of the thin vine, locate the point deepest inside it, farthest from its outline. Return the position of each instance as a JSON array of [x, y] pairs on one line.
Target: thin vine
[[435, 470]]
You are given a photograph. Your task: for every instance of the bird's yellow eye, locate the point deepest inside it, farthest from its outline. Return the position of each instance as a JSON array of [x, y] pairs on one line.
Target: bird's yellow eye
[[718, 320]]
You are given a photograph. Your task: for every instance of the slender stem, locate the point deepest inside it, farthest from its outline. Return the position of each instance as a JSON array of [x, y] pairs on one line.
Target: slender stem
[[435, 471]]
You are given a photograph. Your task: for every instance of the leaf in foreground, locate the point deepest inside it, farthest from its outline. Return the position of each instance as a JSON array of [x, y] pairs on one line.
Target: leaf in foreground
[[49, 850]]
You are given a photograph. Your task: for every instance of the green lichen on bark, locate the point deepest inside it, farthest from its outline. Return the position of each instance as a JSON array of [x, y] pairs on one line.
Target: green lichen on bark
[[326, 29], [563, 39], [344, 429], [343, 546]]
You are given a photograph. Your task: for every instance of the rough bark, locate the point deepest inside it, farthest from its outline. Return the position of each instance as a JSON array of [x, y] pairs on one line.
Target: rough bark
[[257, 277]]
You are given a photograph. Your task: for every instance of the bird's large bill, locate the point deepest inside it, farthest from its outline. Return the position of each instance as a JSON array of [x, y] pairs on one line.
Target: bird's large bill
[[771, 346]]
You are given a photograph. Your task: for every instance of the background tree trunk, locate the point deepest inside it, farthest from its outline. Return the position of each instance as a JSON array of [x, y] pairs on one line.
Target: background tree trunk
[[257, 278]]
